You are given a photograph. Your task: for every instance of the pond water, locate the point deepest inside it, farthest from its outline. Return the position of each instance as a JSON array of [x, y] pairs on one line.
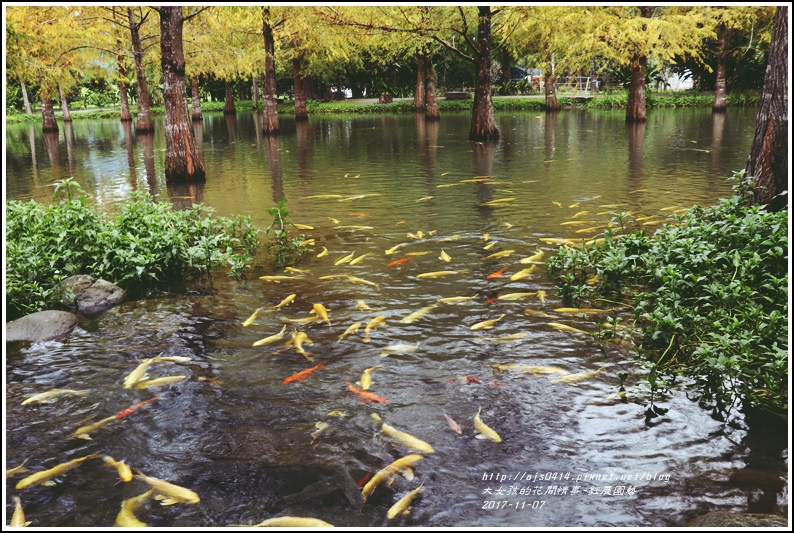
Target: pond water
[[250, 446]]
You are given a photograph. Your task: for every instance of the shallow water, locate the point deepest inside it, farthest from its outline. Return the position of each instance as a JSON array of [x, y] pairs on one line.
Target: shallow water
[[244, 441]]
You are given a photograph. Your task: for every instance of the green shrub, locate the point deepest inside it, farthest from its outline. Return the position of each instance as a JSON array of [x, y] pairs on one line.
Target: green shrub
[[146, 245], [709, 294]]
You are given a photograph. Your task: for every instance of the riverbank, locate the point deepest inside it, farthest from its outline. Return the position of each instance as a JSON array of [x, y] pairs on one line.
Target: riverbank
[[605, 100]]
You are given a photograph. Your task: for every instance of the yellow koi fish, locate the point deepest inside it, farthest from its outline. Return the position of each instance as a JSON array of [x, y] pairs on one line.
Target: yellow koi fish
[[567, 329], [640, 219], [324, 196], [576, 223], [158, 382], [297, 270], [82, 433], [588, 230], [124, 471], [395, 248], [503, 253], [580, 213], [298, 338], [424, 199], [17, 469], [531, 258], [489, 246], [45, 476], [250, 319], [574, 205], [168, 493], [416, 315], [573, 379], [362, 305], [528, 369], [354, 227], [345, 259], [138, 374], [399, 349], [521, 274], [451, 238], [407, 440], [360, 281], [403, 505], [278, 279], [126, 517], [438, 274], [557, 241], [416, 254], [508, 338], [375, 322], [273, 338], [323, 253], [321, 312], [18, 519], [497, 203], [455, 299], [534, 312], [338, 412], [302, 226], [486, 324], [582, 310], [285, 302], [515, 295], [402, 465], [352, 329], [542, 296], [366, 377], [359, 259], [52, 395], [484, 431], [319, 428], [448, 185], [558, 204], [293, 521]]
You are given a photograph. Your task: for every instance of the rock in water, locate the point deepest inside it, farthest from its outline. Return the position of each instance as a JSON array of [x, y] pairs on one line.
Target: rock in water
[[41, 326], [726, 519], [91, 295]]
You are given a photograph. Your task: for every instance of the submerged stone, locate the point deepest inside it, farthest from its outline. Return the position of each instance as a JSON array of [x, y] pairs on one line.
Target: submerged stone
[[92, 295], [728, 519], [41, 326]]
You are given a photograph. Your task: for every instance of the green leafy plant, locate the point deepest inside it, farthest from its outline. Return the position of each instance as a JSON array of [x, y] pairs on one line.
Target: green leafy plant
[[285, 249]]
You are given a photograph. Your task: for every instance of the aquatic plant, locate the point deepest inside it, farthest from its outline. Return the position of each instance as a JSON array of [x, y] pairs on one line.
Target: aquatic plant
[[285, 249], [146, 245], [709, 294]]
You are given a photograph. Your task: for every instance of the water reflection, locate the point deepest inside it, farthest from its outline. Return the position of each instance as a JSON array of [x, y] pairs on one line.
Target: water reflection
[[129, 145], [717, 132], [483, 154], [146, 141], [635, 134], [68, 133], [51, 143], [33, 159], [198, 135], [272, 144], [304, 136], [550, 122]]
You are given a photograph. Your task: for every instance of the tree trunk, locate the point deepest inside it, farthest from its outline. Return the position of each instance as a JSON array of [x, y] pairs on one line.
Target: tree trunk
[[720, 90], [767, 166], [48, 122], [145, 122], [255, 97], [431, 102], [505, 74], [483, 125], [182, 161], [552, 104], [125, 116], [269, 110], [67, 117], [195, 100], [228, 108], [301, 113], [421, 75], [635, 110], [25, 99]]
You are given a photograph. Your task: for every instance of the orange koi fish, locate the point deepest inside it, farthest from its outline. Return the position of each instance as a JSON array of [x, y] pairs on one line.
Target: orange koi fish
[[365, 396], [454, 426], [134, 407], [498, 274], [303, 374], [364, 478], [399, 262]]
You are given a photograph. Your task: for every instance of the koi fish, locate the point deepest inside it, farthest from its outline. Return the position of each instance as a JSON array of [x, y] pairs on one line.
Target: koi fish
[[557, 241], [126, 517], [525, 273], [486, 324], [302, 226], [399, 348], [324, 252], [365, 396], [354, 227], [494, 203], [489, 246], [574, 205], [454, 299], [424, 199], [395, 248], [319, 428], [351, 329], [278, 279], [324, 196], [134, 407], [418, 314], [542, 296], [273, 338], [567, 329], [580, 213], [362, 305], [438, 274], [515, 295], [303, 374], [158, 382], [18, 518], [582, 310], [297, 270], [17, 469], [640, 219], [407, 440], [444, 256], [573, 379], [484, 431], [321, 312], [307, 242], [285, 302], [588, 230], [168, 493], [403, 505], [454, 426], [298, 338], [366, 377], [359, 259], [509, 338], [82, 433], [357, 214], [558, 204], [576, 223], [345, 259], [531, 258], [416, 254], [45, 476], [51, 395], [363, 479], [535, 312], [375, 322], [451, 238], [503, 253], [498, 274], [399, 262], [138, 374], [360, 281], [528, 369], [402, 465], [293, 521], [468, 379], [125, 474], [337, 412]]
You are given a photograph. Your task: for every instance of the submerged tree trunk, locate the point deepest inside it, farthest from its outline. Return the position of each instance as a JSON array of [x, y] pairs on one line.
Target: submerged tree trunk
[[635, 110], [67, 117], [125, 115], [48, 122], [483, 126], [421, 75], [228, 108], [182, 160], [720, 89], [270, 96], [255, 97], [195, 100], [25, 99], [767, 166], [552, 104], [145, 122], [301, 113], [431, 102]]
